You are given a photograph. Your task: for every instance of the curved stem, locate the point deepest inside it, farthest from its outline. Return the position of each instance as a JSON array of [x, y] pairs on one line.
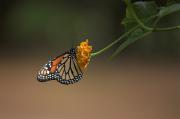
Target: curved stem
[[163, 29], [156, 22], [167, 29], [127, 43], [140, 24], [114, 42]]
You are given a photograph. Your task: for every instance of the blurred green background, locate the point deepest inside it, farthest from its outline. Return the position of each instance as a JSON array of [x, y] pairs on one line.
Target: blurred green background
[[55, 25], [143, 82]]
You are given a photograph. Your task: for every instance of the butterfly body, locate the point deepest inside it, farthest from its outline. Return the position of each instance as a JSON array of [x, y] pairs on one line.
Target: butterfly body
[[64, 69]]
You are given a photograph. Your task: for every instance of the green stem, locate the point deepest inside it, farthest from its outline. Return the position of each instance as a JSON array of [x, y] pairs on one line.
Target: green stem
[[156, 22], [140, 24], [167, 29], [114, 42], [121, 37], [127, 43], [163, 29]]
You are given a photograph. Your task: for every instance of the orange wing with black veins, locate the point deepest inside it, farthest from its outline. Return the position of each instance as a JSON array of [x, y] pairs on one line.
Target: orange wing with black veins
[[55, 63]]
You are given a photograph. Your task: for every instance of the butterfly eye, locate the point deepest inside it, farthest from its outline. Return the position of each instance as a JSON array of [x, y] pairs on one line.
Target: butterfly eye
[[72, 50]]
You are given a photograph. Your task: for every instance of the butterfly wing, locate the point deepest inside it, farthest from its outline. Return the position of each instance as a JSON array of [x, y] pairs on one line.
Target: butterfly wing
[[64, 69], [48, 71], [68, 70]]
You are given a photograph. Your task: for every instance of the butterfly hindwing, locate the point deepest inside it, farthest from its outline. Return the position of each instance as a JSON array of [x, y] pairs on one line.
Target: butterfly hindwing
[[45, 74]]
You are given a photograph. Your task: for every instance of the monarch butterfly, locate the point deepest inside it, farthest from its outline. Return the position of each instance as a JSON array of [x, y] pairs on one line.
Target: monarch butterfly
[[64, 69]]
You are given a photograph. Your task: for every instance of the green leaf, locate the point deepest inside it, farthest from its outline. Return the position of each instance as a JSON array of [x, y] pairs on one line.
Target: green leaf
[[170, 2], [144, 11], [164, 11]]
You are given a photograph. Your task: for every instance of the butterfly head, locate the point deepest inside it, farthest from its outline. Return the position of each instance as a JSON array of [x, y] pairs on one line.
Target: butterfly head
[[73, 51]]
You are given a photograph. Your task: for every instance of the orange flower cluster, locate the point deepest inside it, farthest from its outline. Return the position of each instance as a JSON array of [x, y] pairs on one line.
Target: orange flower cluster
[[83, 54]]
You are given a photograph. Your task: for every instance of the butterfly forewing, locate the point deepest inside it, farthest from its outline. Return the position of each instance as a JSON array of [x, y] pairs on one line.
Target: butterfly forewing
[[69, 70]]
